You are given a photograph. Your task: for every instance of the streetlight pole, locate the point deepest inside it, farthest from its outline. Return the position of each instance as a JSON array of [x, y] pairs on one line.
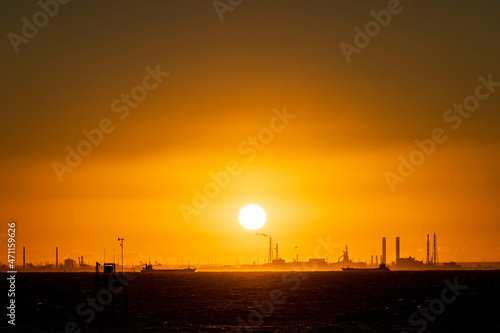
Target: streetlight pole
[[121, 244]]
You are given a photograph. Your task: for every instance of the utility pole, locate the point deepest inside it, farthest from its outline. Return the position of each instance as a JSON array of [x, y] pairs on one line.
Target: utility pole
[[121, 244]]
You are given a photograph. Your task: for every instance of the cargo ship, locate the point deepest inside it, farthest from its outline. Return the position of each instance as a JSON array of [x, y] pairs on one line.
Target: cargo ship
[[381, 268], [148, 269]]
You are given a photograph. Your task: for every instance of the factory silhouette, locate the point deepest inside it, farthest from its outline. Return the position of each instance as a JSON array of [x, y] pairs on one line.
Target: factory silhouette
[[275, 263]]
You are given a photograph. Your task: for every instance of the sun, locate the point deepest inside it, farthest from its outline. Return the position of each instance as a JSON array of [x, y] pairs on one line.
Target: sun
[[252, 217]]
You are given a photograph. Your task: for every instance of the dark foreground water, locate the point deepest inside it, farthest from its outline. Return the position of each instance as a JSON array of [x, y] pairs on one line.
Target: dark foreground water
[[265, 302]]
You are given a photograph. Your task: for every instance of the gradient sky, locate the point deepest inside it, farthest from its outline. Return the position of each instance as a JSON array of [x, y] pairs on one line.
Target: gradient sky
[[322, 177]]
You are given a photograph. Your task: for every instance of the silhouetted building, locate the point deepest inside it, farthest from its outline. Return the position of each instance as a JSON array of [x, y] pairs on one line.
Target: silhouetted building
[[406, 263], [279, 262], [409, 263], [317, 261], [346, 262], [69, 264], [397, 248], [384, 253]]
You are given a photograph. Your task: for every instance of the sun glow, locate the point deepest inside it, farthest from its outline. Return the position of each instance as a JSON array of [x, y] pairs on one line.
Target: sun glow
[[252, 217]]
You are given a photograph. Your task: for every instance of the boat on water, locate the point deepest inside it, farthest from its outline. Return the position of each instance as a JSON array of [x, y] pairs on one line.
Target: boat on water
[[382, 268], [148, 269]]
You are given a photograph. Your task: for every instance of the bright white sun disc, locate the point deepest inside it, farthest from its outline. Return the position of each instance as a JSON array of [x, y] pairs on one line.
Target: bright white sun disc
[[252, 217]]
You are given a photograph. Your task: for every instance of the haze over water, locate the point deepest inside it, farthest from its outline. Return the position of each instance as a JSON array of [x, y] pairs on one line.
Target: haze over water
[[224, 135]]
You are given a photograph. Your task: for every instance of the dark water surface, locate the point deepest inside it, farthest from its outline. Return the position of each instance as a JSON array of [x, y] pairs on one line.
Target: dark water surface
[[266, 302]]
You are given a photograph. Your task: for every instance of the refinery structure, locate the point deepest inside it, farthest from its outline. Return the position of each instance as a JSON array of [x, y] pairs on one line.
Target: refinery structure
[[275, 263], [431, 262]]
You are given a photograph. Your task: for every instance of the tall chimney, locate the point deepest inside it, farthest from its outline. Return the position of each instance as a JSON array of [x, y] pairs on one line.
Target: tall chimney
[[428, 261], [270, 259], [24, 258], [384, 253], [57, 258], [435, 251], [397, 249]]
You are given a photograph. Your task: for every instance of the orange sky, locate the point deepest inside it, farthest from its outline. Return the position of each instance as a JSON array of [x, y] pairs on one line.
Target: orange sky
[[322, 175]]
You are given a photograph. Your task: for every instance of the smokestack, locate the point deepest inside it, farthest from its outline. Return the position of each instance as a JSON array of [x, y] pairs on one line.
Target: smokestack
[[24, 258], [384, 253], [270, 250], [435, 251], [428, 261], [371, 261], [270, 255], [376, 260], [276, 251], [397, 249], [57, 258]]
